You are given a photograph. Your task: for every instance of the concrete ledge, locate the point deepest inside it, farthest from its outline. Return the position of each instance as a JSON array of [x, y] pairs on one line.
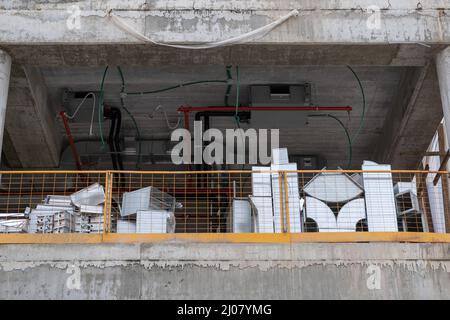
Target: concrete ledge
[[176, 251], [172, 270]]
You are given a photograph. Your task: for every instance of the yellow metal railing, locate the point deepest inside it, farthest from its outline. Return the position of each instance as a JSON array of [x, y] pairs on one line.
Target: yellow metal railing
[[239, 205]]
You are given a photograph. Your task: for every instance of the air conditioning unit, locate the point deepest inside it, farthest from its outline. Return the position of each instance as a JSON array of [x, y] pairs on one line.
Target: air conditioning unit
[[279, 95]]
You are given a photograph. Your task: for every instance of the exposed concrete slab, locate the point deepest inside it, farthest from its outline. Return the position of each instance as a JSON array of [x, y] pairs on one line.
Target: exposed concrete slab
[[31, 123], [226, 271], [149, 55], [412, 121], [191, 21]]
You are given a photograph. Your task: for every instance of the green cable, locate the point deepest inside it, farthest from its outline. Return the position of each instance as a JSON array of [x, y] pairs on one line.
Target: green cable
[[122, 104], [361, 123], [100, 107], [177, 86], [350, 145], [236, 116], [229, 78]]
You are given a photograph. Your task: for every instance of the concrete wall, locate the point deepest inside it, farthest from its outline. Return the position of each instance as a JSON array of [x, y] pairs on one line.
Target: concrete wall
[[225, 271]]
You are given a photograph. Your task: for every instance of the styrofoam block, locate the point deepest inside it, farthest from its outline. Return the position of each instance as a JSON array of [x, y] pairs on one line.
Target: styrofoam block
[[379, 196], [261, 182], [295, 224], [126, 226], [155, 221], [280, 156]]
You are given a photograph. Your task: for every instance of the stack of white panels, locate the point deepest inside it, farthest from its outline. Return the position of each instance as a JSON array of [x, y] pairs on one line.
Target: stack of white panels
[[380, 200], [126, 226], [261, 199], [261, 184], [263, 214], [279, 197], [155, 221]]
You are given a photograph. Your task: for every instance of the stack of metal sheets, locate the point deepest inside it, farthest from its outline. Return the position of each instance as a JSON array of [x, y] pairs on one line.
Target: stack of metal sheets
[[13, 223], [80, 212]]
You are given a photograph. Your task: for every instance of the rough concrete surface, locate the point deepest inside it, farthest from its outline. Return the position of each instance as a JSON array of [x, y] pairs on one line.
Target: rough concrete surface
[[225, 271]]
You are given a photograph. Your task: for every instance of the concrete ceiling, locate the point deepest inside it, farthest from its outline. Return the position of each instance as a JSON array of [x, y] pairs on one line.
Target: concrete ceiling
[[331, 86]]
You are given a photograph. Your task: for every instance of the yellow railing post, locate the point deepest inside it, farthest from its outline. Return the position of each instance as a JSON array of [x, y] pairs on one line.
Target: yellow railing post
[[280, 185], [286, 202], [107, 205]]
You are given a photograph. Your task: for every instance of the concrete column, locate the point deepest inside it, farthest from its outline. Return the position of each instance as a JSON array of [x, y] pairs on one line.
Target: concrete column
[[443, 70], [5, 71]]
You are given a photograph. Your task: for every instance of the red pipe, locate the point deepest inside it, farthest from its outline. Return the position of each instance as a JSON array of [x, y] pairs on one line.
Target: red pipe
[[71, 141], [188, 109]]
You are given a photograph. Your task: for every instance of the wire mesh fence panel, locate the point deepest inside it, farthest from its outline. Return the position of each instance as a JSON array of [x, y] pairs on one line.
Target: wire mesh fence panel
[[52, 202], [257, 201], [374, 201], [194, 202]]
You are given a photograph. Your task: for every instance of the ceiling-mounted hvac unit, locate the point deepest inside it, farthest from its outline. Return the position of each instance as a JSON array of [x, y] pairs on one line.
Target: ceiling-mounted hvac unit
[[285, 95], [279, 95]]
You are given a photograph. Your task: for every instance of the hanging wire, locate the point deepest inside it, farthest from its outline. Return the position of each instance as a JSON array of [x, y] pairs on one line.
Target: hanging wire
[[350, 145], [93, 111], [361, 123], [100, 107], [236, 116], [229, 85], [186, 84], [160, 107], [122, 104]]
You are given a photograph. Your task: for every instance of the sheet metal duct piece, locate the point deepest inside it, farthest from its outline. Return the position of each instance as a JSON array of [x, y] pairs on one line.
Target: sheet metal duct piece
[[262, 207], [321, 214], [333, 187], [146, 199], [13, 225], [91, 196], [350, 214], [380, 200], [240, 216]]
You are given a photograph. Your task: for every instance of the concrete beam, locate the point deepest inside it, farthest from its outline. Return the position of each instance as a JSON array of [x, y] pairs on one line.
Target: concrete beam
[[249, 55], [412, 120], [31, 123], [189, 21]]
